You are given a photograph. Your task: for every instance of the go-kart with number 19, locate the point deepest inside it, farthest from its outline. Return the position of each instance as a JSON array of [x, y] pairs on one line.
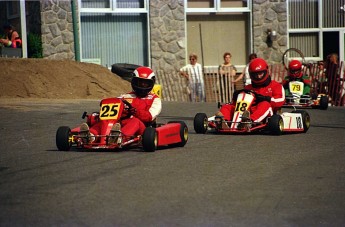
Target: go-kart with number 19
[[298, 100], [174, 133], [277, 124]]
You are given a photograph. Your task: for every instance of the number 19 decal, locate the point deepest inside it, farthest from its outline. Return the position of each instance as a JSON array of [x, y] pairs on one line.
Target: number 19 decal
[[109, 111]]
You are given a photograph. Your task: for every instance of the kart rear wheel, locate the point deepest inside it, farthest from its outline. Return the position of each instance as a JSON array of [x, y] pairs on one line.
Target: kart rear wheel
[[150, 139], [64, 138], [124, 70], [183, 133], [200, 123], [324, 102], [305, 119], [276, 125]]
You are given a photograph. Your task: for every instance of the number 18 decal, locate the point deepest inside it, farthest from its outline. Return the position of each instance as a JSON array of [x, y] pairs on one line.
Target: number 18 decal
[[241, 106], [109, 111], [299, 122]]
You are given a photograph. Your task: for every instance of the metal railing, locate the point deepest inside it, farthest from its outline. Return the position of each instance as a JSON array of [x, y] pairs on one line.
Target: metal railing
[[219, 88]]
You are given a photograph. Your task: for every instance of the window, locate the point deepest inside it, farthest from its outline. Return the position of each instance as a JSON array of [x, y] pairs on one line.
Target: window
[[218, 26], [308, 43], [113, 5], [333, 13], [13, 9], [311, 22], [303, 14], [217, 6], [115, 31], [103, 4]]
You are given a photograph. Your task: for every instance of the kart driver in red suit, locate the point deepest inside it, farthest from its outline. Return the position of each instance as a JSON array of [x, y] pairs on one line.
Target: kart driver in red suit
[[270, 94], [146, 106]]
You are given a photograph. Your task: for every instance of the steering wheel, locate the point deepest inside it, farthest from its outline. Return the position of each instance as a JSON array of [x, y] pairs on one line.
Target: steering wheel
[[129, 106], [247, 91], [292, 53]]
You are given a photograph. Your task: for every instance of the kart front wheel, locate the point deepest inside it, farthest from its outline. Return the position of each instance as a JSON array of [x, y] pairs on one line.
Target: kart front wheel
[[150, 139], [200, 123], [323, 102], [305, 119], [64, 138], [276, 125]]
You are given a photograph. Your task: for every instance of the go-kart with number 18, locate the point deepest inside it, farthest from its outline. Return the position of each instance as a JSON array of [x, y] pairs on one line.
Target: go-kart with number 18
[[112, 110], [277, 124]]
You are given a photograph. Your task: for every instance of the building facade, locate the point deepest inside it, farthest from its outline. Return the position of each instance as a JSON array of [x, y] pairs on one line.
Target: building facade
[[161, 33]]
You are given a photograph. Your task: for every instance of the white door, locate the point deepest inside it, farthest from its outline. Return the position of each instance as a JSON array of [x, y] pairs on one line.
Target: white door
[[342, 45]]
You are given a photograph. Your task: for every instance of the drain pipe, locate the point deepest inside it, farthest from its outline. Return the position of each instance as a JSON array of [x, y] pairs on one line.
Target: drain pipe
[[75, 31]]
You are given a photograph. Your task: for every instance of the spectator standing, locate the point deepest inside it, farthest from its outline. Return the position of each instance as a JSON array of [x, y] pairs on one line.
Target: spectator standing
[[332, 74], [245, 73], [227, 67], [320, 80], [226, 72], [194, 74]]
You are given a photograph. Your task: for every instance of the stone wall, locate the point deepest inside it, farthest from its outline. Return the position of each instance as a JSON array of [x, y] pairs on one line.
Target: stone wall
[[57, 29], [270, 14], [168, 51]]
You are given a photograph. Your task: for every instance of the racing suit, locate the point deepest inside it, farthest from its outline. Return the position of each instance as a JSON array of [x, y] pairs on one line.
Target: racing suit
[[275, 98], [305, 79], [145, 110]]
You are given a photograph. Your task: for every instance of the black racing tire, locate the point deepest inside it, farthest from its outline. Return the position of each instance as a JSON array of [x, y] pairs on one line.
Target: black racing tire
[[276, 125], [63, 138], [305, 119], [150, 139], [183, 133], [323, 102], [290, 53], [124, 70], [200, 123]]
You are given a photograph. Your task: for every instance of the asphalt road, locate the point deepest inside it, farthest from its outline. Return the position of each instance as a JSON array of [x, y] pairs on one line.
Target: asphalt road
[[215, 180]]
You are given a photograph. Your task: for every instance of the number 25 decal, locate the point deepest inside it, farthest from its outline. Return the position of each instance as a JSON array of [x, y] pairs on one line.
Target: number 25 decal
[[109, 111]]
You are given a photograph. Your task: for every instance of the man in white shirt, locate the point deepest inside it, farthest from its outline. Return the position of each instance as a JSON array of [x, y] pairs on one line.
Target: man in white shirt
[[194, 74]]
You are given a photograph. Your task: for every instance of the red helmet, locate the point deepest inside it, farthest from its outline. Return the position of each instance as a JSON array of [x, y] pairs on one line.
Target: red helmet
[[295, 69], [143, 81], [258, 71]]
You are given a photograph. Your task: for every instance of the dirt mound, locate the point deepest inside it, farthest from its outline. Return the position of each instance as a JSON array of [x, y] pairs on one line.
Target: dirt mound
[[58, 79]]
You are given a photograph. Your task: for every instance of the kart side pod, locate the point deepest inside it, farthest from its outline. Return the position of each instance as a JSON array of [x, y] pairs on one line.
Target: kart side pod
[[173, 133]]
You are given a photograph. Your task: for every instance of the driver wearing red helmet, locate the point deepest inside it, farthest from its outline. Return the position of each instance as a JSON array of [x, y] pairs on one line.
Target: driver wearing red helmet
[[295, 73], [146, 106], [268, 99]]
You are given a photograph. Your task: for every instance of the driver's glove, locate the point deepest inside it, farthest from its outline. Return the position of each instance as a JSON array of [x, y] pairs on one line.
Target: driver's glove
[[261, 98], [132, 111]]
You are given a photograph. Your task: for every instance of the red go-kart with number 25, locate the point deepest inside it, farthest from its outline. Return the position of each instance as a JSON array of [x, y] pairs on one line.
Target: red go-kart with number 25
[[174, 133], [277, 124]]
